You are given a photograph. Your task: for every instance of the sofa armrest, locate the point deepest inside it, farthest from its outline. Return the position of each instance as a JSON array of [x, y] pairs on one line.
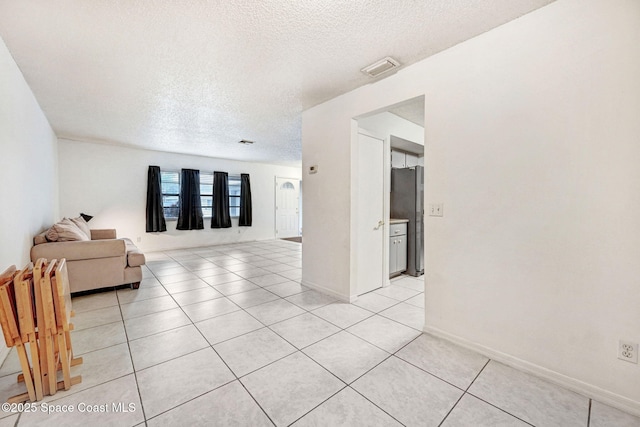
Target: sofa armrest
[[105, 233], [80, 250]]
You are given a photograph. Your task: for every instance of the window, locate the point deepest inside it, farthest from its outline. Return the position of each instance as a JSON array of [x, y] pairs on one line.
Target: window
[[234, 195], [206, 193], [287, 186], [170, 187]]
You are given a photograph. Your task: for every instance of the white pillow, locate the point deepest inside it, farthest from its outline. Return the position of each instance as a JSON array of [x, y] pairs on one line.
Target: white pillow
[[82, 225]]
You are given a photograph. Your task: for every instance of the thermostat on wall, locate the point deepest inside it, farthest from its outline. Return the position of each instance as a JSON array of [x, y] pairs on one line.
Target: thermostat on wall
[[313, 169]]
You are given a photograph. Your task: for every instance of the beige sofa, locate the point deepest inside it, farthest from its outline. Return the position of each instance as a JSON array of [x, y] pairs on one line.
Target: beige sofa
[[103, 261]]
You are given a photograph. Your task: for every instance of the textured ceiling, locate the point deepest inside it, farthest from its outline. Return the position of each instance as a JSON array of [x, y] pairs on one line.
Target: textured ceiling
[[197, 76], [413, 111]]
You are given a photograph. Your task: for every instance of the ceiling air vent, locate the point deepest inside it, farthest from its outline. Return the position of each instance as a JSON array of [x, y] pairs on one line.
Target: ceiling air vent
[[383, 66]]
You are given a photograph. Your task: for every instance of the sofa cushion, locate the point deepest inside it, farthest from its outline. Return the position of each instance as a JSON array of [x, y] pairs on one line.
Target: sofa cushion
[[135, 257], [103, 233], [82, 225], [77, 251], [65, 231]]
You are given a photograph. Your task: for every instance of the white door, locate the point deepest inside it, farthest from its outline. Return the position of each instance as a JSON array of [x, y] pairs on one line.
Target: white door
[[370, 210], [287, 207]]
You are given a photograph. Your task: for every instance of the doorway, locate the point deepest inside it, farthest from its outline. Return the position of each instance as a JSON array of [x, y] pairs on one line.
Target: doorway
[[400, 129], [287, 207]]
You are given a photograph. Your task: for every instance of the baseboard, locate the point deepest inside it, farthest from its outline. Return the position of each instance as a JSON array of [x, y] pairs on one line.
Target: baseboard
[[588, 390], [327, 291], [200, 245]]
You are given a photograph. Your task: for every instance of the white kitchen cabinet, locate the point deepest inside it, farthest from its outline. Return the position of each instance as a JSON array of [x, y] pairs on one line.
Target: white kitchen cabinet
[[398, 159], [397, 248], [411, 160]]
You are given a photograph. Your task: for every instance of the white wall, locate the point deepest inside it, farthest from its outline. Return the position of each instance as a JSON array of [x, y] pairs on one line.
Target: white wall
[[110, 183], [28, 166], [326, 134], [531, 143]]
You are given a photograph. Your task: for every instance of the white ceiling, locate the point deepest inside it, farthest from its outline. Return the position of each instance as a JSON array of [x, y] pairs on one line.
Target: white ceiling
[[197, 76], [413, 111]]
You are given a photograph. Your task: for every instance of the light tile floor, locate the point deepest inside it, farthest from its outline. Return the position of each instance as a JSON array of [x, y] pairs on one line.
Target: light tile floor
[[227, 335]]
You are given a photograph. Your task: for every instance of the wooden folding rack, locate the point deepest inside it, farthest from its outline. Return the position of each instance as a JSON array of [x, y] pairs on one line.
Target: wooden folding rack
[[11, 333], [46, 330], [62, 335]]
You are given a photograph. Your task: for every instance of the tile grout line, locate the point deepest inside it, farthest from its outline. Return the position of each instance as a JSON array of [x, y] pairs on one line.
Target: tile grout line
[[133, 366], [233, 373], [390, 355], [373, 403], [500, 409], [72, 393], [463, 393], [238, 378], [296, 350], [223, 361], [190, 400], [179, 305], [318, 405], [338, 326], [476, 377], [451, 410], [279, 335], [487, 402], [258, 320], [349, 384], [246, 333], [255, 400], [340, 329], [430, 373], [269, 327]]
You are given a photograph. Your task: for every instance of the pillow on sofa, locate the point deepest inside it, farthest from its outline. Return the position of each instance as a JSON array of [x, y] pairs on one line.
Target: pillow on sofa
[[65, 231], [51, 235], [82, 225]]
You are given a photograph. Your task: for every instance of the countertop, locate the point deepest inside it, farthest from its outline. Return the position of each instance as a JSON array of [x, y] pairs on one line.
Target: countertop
[[397, 221]]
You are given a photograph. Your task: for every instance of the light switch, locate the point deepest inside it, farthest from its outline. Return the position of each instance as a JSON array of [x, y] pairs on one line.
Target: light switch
[[436, 209]]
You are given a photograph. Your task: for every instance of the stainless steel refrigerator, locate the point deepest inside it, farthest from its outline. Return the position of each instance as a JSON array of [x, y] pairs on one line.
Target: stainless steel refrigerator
[[407, 200]]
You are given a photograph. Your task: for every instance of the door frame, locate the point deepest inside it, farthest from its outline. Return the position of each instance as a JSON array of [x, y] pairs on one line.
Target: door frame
[[275, 203]]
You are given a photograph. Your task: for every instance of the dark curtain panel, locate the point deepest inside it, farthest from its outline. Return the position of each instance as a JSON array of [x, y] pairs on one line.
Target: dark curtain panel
[[220, 218], [155, 213], [245, 201], [190, 210]]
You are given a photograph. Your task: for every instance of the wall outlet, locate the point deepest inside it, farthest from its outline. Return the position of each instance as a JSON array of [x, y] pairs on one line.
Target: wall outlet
[[628, 351], [139, 239]]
